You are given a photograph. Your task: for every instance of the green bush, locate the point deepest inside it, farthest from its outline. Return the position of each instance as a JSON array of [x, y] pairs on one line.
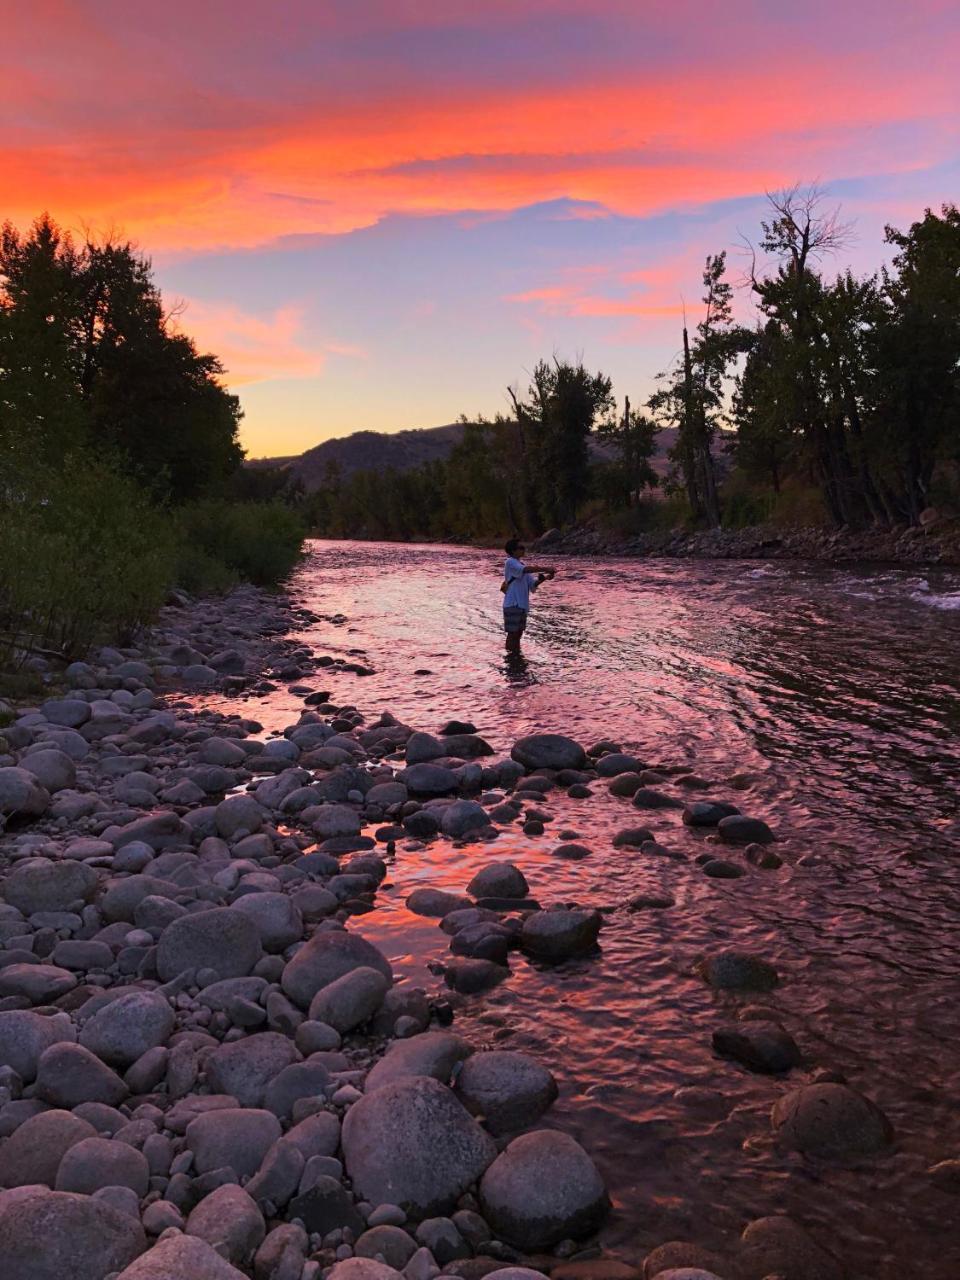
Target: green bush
[[83, 557], [221, 542]]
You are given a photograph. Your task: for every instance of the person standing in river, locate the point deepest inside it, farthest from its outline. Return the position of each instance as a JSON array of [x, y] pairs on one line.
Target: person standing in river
[[519, 580]]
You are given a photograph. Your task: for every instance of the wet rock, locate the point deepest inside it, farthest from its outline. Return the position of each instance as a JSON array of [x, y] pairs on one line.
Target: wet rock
[[277, 918], [679, 1256], [32, 1153], [471, 976], [543, 1188], [180, 1257], [571, 852], [498, 880], [99, 1162], [625, 784], [126, 1028], [351, 1000], [423, 824], [561, 933], [632, 837], [232, 1138], [436, 902], [765, 859], [549, 751], [780, 1246], [244, 1068], [223, 940], [651, 902], [761, 1046], [69, 1074], [229, 1221], [649, 798], [60, 1236], [738, 971], [412, 1143], [44, 885], [24, 1035], [617, 762], [21, 796], [708, 813], [326, 957], [433, 1053], [831, 1121], [428, 779], [720, 869], [506, 1090], [738, 829], [462, 817], [335, 820], [422, 747]]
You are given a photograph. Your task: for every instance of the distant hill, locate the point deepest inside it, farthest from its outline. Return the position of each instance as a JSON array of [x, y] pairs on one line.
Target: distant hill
[[400, 450]]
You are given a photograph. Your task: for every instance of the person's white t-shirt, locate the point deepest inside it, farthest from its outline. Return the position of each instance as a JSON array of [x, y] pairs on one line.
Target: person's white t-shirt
[[519, 584]]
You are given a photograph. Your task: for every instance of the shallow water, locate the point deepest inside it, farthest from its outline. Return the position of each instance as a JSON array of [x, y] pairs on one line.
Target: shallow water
[[832, 695]]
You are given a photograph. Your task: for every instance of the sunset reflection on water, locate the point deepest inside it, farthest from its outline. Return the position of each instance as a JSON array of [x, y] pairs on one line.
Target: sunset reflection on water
[[824, 700]]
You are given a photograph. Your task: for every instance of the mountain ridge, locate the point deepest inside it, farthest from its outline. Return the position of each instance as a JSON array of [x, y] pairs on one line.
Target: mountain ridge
[[400, 450]]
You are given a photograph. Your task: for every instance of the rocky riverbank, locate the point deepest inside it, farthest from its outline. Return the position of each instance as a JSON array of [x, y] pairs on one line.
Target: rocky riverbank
[[207, 1070], [936, 541]]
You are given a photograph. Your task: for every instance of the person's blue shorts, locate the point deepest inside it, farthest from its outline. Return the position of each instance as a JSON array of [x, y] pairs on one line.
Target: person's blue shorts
[[514, 620]]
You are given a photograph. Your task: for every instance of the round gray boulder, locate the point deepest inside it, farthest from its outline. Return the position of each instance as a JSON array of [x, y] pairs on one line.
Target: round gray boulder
[[45, 885], [21, 795], [498, 880], [53, 769], [230, 1222], [180, 1257], [556, 935], [350, 1000], [549, 751], [123, 1030], [412, 1144], [60, 1236], [326, 957], [98, 1162], [69, 1074], [24, 1035], [543, 1188], [33, 1152], [831, 1121], [222, 939], [507, 1090], [432, 1053], [278, 920], [244, 1068], [462, 817], [234, 1138]]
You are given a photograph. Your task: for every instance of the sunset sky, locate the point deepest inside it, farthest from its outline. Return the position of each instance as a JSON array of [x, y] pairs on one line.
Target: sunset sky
[[381, 212]]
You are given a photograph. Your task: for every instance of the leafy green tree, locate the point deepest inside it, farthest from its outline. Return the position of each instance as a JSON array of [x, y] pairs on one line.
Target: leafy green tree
[[917, 353], [633, 438], [691, 396], [564, 406], [41, 416]]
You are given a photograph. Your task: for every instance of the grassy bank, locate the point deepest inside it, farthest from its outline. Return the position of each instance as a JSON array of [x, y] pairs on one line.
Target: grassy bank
[[87, 557]]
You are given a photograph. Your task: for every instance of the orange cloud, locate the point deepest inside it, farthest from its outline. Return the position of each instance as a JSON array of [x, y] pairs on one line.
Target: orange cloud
[[183, 166], [259, 349]]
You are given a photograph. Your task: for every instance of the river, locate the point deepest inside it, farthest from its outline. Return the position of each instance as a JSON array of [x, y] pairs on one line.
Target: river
[[825, 700]]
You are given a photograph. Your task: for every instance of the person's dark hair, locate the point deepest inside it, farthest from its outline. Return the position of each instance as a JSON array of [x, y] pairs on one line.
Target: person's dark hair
[[513, 546]]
